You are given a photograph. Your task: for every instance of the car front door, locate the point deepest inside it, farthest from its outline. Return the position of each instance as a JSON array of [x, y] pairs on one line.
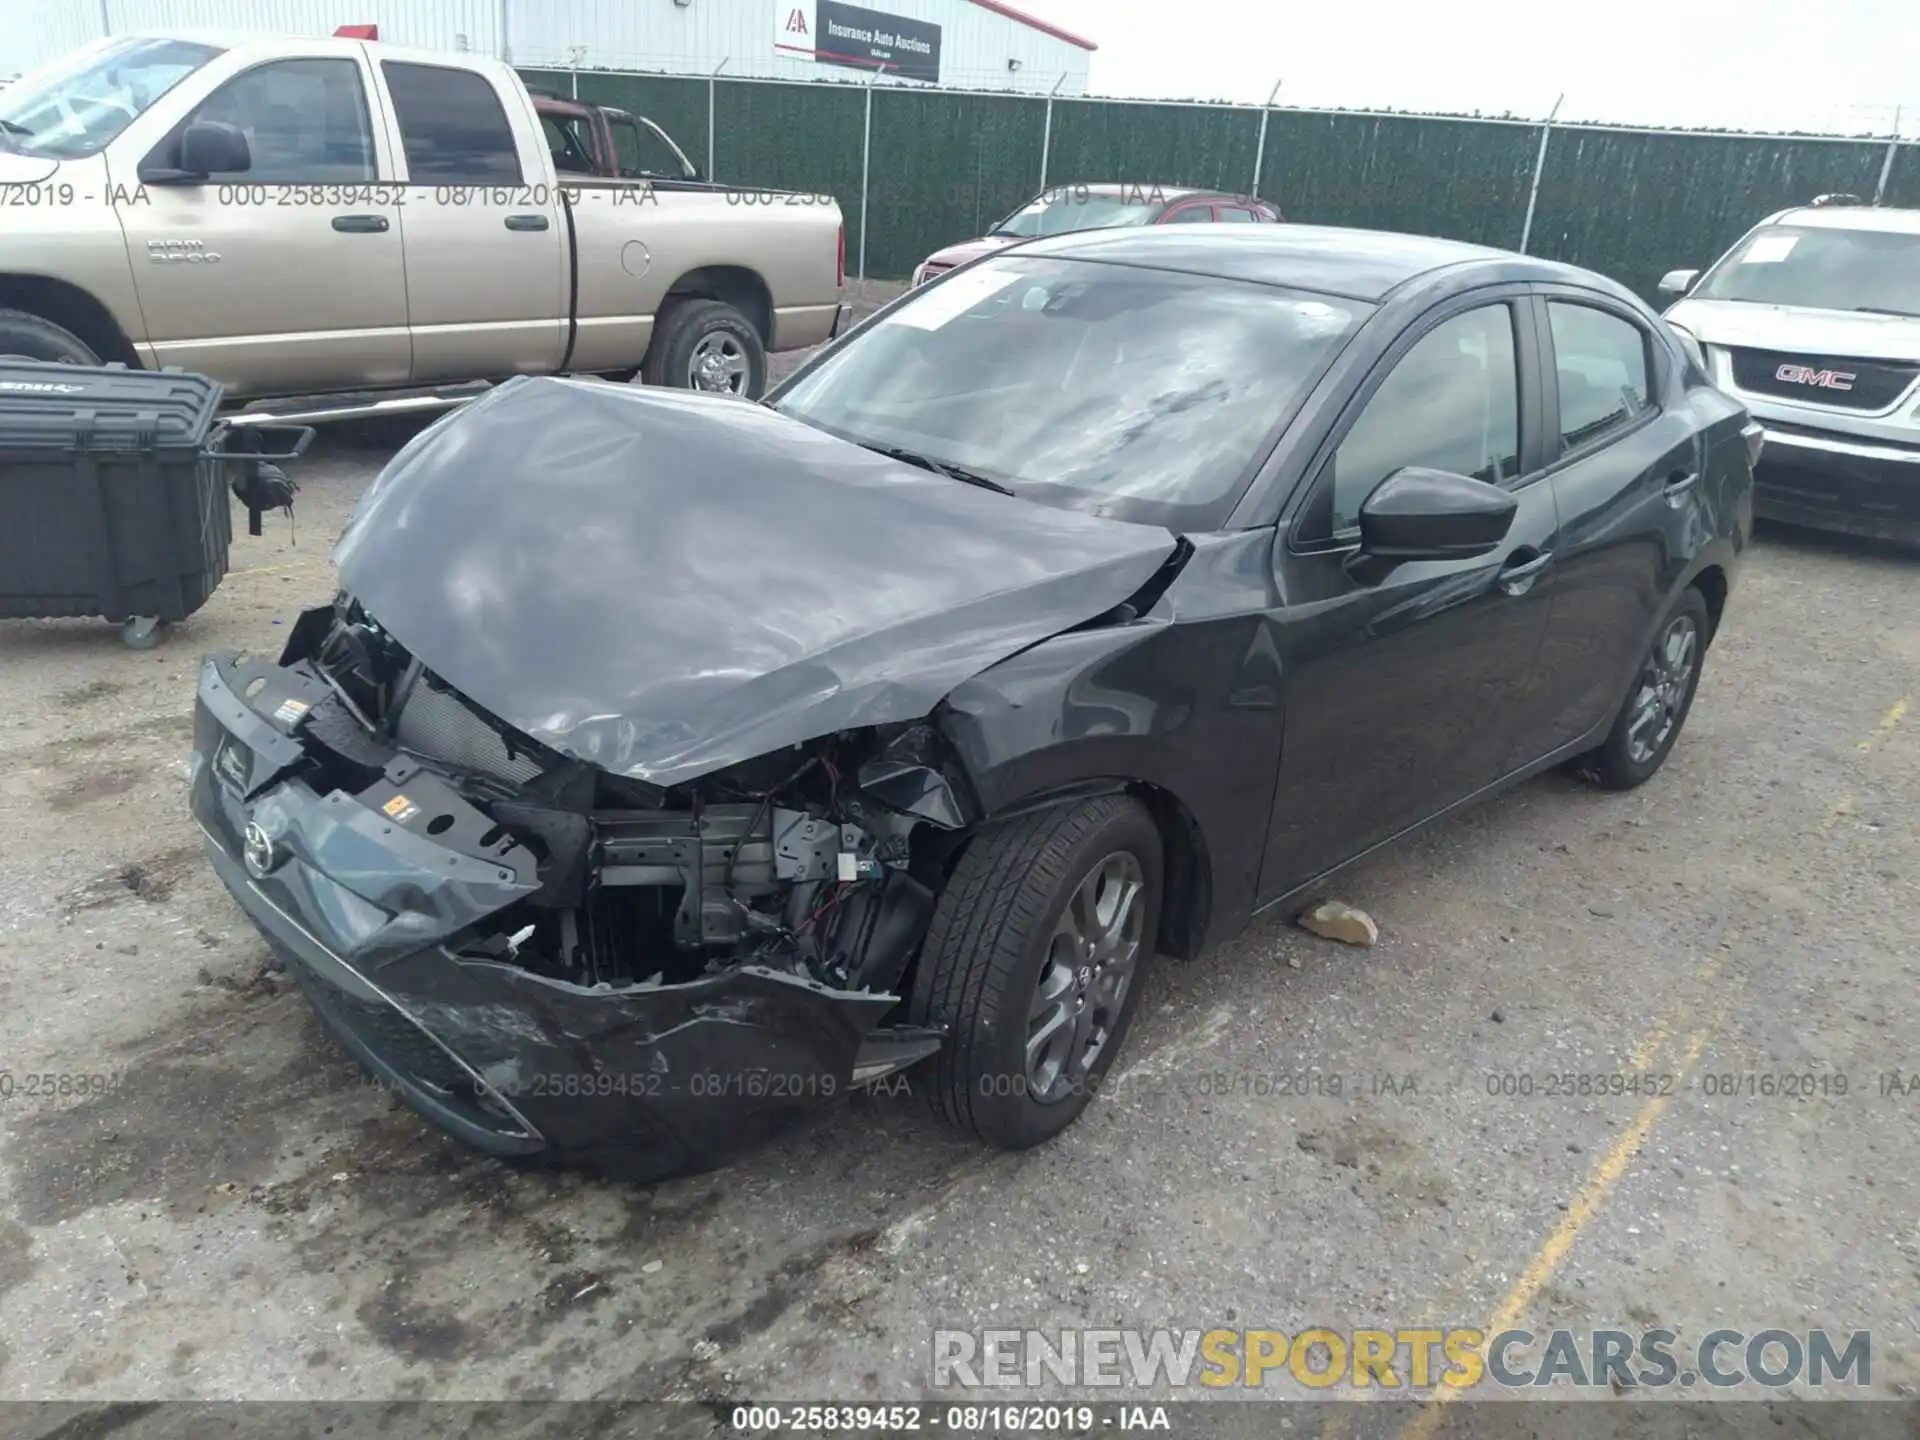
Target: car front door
[[1401, 688], [289, 276], [1624, 463]]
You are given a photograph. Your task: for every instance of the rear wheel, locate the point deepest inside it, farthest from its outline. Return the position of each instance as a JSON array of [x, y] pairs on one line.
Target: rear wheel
[[1658, 701], [28, 337], [709, 346], [1035, 961]]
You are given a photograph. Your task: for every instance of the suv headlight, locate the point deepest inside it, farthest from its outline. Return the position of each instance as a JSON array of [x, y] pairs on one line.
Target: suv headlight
[[1690, 343]]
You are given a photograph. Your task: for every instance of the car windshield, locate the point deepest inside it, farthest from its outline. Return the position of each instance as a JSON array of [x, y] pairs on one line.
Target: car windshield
[[79, 105], [1826, 268], [1141, 394], [1077, 208]]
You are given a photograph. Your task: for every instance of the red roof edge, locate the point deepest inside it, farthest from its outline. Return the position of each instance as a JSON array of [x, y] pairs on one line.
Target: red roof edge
[[999, 7]]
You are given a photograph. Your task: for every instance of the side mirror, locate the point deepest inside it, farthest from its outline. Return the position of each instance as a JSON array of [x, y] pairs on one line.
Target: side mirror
[[1676, 283], [213, 147], [1420, 514]]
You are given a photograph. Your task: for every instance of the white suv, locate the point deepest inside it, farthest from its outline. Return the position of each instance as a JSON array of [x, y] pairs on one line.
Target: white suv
[[1813, 321]]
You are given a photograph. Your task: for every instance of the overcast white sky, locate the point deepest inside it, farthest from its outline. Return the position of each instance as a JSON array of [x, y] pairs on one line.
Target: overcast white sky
[[1774, 64]]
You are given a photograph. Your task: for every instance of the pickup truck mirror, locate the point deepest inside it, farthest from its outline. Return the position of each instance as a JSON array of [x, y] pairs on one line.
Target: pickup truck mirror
[[1677, 282], [214, 147], [1421, 514]]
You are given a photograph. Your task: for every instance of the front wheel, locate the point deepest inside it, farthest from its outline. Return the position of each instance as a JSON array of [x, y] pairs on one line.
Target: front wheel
[[28, 337], [709, 346], [1657, 702], [1034, 962]]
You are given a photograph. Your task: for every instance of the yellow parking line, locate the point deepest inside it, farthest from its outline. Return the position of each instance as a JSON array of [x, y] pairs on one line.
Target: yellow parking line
[[1885, 727], [1580, 1210]]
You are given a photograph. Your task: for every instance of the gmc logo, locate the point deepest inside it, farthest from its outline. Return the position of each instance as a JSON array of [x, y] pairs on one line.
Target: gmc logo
[[1807, 375]]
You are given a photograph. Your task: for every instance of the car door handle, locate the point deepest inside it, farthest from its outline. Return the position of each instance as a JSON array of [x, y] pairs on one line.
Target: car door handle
[[1679, 484], [526, 222], [360, 224], [1518, 579]]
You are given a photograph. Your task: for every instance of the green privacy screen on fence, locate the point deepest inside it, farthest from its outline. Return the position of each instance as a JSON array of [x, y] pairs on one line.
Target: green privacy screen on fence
[[945, 164]]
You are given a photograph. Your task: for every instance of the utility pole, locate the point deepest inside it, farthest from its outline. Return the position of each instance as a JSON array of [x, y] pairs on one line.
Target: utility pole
[[1046, 134], [1539, 162], [1260, 146], [1886, 165]]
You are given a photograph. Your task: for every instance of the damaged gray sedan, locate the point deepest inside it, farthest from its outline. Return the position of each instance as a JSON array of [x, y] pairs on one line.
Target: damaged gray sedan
[[668, 765]]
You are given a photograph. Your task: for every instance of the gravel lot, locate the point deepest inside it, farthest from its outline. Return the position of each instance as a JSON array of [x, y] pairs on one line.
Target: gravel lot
[[242, 1216]]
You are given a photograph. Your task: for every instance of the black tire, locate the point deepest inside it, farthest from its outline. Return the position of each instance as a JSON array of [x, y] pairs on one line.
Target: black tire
[[32, 338], [684, 326], [991, 939], [1625, 759]]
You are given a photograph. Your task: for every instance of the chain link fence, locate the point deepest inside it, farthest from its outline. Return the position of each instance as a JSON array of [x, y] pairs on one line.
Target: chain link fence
[[916, 169]]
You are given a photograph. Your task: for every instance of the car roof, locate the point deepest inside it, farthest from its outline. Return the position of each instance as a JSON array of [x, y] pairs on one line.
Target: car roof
[[1146, 190], [264, 40], [1357, 264], [1851, 217]]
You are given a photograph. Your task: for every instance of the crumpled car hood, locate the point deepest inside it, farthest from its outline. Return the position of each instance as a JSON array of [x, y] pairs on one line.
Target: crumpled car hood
[[665, 584]]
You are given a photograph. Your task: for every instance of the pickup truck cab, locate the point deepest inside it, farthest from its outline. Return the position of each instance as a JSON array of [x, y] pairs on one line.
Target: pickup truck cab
[[589, 139], [307, 217]]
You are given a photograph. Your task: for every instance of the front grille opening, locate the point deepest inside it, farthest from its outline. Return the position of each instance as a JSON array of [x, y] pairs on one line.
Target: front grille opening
[[622, 936], [629, 935], [1834, 381]]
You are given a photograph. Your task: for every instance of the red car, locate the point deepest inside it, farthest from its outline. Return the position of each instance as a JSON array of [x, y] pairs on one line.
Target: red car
[[1063, 208]]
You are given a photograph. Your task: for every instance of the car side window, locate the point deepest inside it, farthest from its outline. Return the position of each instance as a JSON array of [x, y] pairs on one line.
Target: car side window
[[1600, 364], [643, 154], [570, 153], [452, 125], [1235, 213], [1452, 402], [305, 121], [1190, 215]]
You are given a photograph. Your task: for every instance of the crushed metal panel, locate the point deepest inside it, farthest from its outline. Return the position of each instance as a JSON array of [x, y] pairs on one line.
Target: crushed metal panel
[[665, 584]]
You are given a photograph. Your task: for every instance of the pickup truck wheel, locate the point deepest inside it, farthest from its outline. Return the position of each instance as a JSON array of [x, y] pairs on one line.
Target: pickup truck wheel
[[1034, 962], [706, 345], [28, 337]]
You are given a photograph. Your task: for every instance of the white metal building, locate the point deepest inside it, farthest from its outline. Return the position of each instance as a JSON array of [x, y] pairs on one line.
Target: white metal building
[[962, 44]]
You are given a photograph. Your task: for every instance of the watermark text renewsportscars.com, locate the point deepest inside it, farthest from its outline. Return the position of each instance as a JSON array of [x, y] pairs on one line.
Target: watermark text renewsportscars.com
[[1408, 1360]]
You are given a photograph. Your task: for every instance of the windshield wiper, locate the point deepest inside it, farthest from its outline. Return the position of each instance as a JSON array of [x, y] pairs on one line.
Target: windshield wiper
[[938, 467], [1883, 310]]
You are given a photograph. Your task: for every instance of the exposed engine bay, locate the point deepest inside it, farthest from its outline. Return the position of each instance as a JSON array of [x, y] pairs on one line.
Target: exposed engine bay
[[821, 861]]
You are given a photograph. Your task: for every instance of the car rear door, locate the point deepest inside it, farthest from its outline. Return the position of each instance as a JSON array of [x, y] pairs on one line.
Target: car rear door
[[1187, 212], [1401, 689], [486, 235], [1626, 465]]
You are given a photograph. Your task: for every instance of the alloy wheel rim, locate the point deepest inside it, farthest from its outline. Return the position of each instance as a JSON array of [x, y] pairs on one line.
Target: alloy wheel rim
[[718, 365], [1664, 684], [1086, 975]]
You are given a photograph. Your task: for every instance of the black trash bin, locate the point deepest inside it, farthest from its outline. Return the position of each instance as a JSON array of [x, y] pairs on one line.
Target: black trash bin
[[113, 496]]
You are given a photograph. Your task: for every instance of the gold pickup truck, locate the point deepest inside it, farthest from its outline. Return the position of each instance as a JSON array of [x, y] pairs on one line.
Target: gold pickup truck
[[340, 218]]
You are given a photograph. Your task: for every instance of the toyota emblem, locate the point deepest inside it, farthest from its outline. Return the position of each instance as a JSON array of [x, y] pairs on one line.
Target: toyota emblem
[[259, 851]]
